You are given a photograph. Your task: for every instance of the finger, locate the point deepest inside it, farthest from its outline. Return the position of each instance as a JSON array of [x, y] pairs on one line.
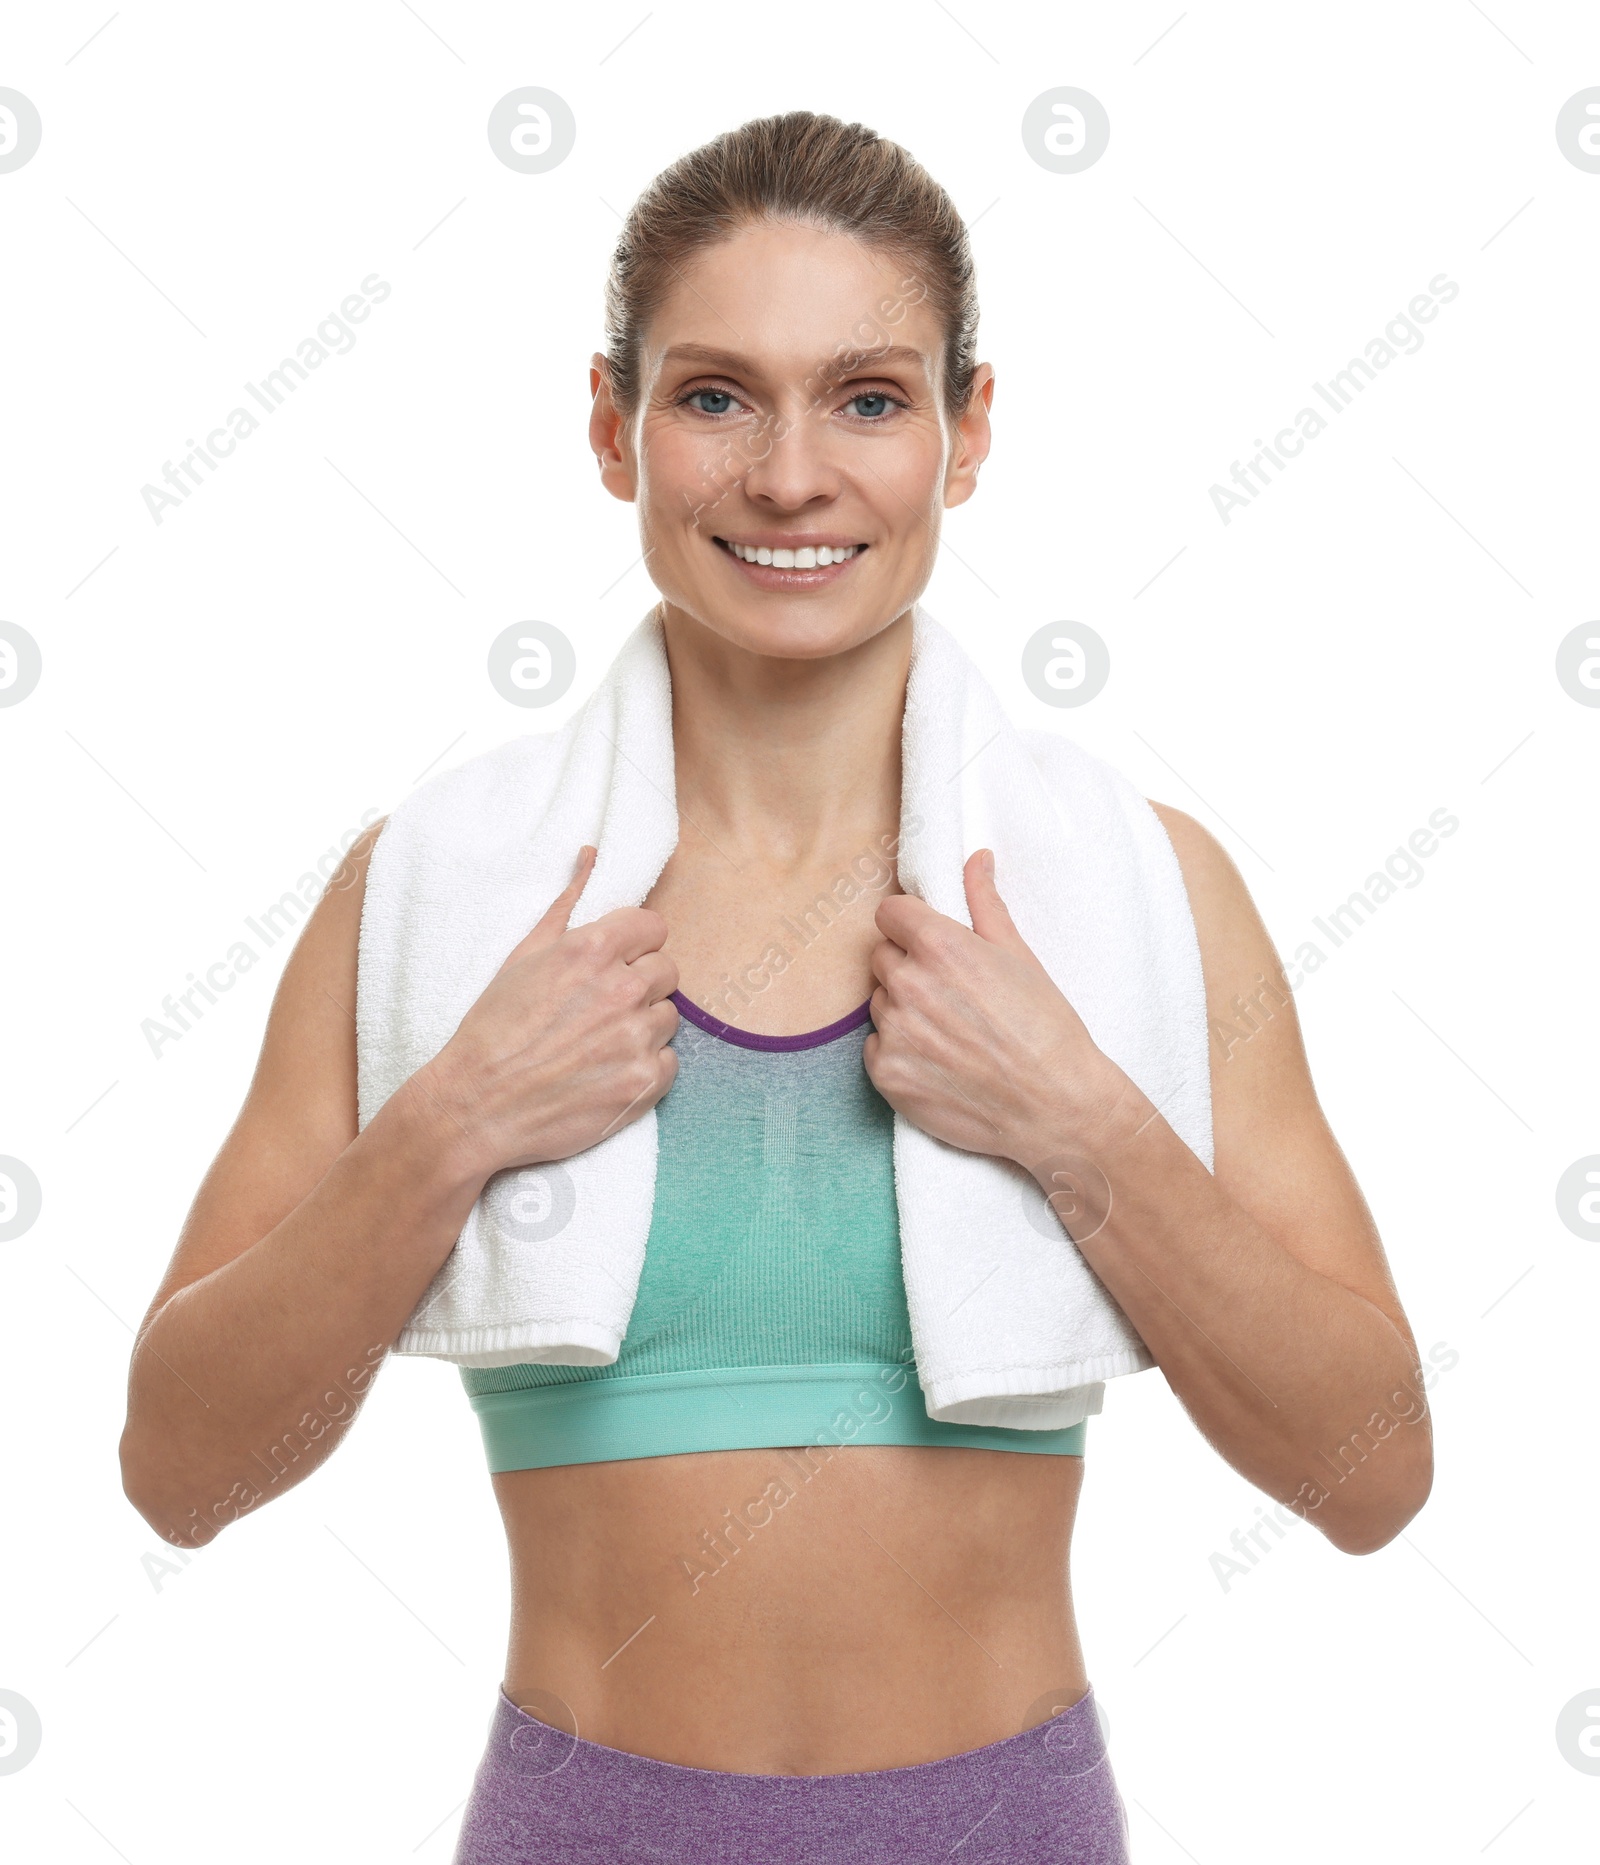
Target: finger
[[660, 974], [901, 916], [885, 959], [630, 932], [663, 1021], [641, 1104], [991, 917], [910, 922], [553, 922]]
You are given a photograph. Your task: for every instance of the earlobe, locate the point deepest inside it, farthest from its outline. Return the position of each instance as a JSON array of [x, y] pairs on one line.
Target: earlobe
[[960, 484], [605, 431], [959, 480]]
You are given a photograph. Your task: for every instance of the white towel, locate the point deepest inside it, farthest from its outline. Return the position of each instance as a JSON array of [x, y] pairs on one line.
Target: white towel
[[1009, 1324]]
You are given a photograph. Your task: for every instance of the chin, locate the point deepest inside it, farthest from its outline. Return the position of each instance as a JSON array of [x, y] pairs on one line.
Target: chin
[[794, 629]]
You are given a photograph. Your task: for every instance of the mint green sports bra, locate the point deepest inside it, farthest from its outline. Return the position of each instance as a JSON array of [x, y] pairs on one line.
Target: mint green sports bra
[[771, 1307]]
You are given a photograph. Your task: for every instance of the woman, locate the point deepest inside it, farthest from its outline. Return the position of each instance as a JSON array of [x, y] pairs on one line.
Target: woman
[[890, 1667]]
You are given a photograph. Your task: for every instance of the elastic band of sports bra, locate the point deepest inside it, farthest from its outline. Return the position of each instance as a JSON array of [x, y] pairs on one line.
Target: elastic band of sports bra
[[750, 1039]]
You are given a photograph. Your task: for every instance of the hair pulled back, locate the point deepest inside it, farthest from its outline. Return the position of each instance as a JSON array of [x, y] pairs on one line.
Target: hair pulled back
[[813, 170]]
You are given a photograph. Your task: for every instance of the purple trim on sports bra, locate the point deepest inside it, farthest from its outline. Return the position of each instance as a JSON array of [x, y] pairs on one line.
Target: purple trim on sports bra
[[749, 1039]]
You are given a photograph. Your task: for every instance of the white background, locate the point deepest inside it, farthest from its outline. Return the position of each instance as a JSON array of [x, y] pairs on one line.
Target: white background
[[1374, 638]]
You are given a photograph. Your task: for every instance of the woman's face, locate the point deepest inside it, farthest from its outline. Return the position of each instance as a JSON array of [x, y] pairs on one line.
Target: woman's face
[[792, 400]]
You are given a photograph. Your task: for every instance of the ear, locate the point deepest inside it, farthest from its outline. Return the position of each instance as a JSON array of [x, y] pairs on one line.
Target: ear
[[608, 435], [991, 917], [971, 443]]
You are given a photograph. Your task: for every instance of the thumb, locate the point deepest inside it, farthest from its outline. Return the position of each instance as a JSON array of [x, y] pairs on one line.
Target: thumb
[[553, 922], [991, 917]]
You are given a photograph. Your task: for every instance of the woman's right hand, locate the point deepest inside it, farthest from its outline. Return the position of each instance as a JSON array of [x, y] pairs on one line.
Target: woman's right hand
[[567, 1042]]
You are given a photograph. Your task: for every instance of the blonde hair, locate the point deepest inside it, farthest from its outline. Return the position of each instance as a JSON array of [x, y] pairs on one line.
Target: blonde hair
[[806, 168]]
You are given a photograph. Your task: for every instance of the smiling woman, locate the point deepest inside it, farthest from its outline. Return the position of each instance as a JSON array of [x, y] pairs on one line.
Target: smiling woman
[[790, 398]]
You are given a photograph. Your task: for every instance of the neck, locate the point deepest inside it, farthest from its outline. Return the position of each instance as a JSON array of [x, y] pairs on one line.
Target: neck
[[782, 757]]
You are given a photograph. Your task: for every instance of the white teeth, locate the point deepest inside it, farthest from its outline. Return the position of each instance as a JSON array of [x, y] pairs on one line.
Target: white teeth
[[808, 557]]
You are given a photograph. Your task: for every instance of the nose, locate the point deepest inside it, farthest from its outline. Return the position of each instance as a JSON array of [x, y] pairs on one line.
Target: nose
[[790, 460]]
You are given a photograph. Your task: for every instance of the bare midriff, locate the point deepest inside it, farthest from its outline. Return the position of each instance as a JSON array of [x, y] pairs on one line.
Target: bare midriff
[[902, 1604]]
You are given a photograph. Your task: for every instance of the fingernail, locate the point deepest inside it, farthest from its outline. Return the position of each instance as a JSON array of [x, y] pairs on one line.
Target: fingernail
[[988, 861]]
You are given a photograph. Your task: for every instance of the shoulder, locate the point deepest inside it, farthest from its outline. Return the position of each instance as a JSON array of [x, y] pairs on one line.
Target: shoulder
[[1249, 993], [1233, 938], [1235, 948], [1209, 871], [1085, 787]]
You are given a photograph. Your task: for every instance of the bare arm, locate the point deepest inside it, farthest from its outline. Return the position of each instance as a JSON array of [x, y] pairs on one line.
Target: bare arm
[[1261, 1290], [309, 1245], [303, 1253]]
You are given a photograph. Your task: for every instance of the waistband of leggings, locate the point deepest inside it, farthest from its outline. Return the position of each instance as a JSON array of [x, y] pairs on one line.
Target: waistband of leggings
[[523, 1743]]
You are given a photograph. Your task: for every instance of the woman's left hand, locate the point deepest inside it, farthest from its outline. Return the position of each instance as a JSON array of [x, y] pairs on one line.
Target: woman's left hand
[[973, 1041]]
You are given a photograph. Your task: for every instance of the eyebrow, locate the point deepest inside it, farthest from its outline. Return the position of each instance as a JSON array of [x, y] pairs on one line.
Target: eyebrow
[[846, 362]]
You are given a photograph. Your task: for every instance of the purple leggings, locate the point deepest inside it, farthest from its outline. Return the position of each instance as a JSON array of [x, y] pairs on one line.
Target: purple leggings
[[544, 1797]]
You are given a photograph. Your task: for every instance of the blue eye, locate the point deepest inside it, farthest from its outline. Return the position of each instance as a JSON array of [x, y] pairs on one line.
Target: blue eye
[[882, 403]]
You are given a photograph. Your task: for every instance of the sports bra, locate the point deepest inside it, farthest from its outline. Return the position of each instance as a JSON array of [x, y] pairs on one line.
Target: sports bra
[[771, 1308]]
